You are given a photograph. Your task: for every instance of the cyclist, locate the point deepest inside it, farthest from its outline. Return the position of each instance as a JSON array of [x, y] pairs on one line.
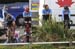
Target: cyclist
[[27, 18], [11, 27], [27, 14]]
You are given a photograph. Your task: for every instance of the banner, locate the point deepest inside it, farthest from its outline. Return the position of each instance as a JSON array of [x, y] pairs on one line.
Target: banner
[[34, 4]]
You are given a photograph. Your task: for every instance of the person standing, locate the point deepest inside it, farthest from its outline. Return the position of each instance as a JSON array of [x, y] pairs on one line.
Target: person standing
[[47, 13], [66, 16]]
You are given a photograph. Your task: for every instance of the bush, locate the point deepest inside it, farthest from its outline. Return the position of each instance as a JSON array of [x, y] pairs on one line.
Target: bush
[[48, 31]]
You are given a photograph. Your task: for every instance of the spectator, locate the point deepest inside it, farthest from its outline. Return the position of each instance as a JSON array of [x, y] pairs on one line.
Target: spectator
[[66, 15], [47, 12]]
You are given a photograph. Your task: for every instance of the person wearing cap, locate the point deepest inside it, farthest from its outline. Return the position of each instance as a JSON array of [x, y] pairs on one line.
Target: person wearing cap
[[27, 14], [66, 15], [47, 12]]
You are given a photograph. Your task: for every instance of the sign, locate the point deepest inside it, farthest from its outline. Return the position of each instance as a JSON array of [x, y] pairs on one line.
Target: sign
[[62, 3], [34, 4]]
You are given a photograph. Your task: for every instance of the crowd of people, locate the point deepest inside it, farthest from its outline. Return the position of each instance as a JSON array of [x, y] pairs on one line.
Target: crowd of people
[[47, 13], [10, 25], [13, 37]]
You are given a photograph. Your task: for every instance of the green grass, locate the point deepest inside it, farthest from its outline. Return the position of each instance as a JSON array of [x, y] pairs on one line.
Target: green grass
[[44, 46], [28, 47], [48, 32], [41, 46], [51, 32], [14, 47]]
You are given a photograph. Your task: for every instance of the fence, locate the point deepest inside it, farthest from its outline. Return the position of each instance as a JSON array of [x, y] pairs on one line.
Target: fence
[[63, 42]]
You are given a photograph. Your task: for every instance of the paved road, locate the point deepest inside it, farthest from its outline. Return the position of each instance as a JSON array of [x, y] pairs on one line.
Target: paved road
[[21, 30], [72, 27]]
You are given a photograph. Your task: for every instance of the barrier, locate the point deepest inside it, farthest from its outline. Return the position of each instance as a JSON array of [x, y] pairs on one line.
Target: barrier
[[62, 42]]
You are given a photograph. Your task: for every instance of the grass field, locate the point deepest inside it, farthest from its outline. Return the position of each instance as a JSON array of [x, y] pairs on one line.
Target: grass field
[[44, 46]]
